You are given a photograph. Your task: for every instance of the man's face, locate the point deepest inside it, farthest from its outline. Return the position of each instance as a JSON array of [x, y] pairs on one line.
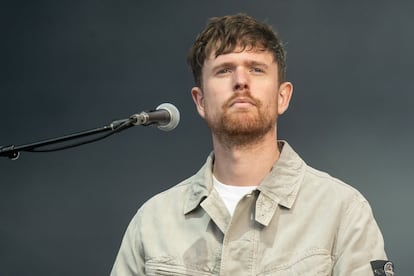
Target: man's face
[[239, 97]]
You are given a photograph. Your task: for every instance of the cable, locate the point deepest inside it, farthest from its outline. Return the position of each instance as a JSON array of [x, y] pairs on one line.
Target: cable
[[119, 128]]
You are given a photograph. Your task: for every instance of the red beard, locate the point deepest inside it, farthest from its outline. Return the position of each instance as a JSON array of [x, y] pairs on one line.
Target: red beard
[[242, 127]]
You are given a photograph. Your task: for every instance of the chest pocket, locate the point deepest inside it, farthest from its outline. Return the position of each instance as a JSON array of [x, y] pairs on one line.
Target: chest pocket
[[310, 263], [156, 268]]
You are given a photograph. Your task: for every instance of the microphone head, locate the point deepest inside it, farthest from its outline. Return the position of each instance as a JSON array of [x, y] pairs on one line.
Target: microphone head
[[174, 116]]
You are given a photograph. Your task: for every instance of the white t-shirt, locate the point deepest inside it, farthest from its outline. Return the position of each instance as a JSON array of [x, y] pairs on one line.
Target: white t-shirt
[[231, 195]]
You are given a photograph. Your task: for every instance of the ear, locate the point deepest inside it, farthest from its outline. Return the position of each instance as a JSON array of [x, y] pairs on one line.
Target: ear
[[284, 96], [198, 98]]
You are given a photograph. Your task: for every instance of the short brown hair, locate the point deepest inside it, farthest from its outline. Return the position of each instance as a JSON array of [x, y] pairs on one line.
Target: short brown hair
[[224, 34]]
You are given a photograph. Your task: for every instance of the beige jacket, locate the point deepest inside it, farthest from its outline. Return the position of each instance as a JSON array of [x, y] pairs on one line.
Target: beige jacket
[[299, 221]]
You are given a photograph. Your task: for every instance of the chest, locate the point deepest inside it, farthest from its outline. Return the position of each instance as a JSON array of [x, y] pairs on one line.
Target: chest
[[210, 243]]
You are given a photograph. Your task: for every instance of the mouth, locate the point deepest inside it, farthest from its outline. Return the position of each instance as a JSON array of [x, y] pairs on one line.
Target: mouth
[[242, 102]]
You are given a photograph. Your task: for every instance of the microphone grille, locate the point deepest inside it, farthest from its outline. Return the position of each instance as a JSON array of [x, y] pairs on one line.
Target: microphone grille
[[174, 116]]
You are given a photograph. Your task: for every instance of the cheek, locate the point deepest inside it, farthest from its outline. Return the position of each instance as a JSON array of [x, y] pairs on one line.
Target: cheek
[[270, 103], [267, 93], [213, 97], [210, 104], [271, 107]]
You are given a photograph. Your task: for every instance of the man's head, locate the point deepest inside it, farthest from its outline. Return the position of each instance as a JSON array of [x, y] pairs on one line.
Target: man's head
[[225, 34], [239, 69]]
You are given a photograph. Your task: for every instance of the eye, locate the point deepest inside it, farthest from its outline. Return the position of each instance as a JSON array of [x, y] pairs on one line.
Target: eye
[[257, 70], [224, 71]]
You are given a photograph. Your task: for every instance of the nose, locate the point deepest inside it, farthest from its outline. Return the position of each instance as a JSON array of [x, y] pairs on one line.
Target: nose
[[241, 80]]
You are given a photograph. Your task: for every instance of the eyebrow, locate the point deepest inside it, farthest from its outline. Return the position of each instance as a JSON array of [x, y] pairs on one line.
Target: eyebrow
[[248, 63], [256, 63]]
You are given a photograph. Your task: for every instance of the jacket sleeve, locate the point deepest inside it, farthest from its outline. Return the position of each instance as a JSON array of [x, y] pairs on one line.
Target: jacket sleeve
[[130, 259], [359, 241]]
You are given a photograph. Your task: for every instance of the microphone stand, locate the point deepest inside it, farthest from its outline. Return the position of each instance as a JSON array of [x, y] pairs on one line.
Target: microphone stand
[[13, 151]]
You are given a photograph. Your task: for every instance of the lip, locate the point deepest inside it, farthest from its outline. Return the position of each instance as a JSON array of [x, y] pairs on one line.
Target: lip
[[243, 101]]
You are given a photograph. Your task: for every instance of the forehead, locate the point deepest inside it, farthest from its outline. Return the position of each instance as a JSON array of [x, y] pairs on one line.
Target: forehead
[[241, 55]]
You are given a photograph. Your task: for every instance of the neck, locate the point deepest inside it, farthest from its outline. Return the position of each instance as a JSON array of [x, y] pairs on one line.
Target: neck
[[245, 165]]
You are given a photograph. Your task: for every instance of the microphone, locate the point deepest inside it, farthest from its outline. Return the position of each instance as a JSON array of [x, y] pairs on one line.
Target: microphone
[[166, 116]]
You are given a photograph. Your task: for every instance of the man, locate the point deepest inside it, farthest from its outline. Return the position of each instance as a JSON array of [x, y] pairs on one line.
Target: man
[[255, 207]]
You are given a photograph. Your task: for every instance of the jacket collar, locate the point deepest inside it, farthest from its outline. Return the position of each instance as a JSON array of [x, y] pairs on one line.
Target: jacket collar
[[283, 182], [280, 186], [200, 186]]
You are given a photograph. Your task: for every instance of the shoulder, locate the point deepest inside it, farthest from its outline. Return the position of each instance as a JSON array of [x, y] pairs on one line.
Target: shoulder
[[169, 198], [330, 189], [184, 196]]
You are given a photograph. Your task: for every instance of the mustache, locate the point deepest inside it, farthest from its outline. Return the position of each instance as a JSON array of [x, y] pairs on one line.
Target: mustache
[[245, 97]]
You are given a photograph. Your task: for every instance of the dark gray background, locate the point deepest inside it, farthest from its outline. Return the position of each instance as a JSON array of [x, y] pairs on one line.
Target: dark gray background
[[67, 66]]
